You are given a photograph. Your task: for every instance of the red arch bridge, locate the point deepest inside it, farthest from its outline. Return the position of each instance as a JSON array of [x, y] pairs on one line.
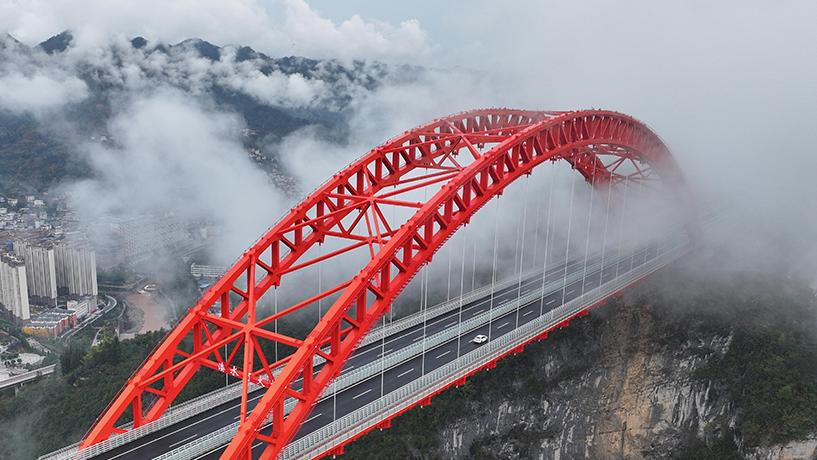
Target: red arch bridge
[[347, 250]]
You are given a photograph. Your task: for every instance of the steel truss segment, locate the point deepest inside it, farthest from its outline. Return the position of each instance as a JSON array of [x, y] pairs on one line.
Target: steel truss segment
[[520, 140], [433, 224]]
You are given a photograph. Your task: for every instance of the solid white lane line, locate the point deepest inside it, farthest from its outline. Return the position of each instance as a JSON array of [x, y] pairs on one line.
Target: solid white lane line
[[443, 354], [497, 298], [449, 325], [182, 428], [527, 313], [503, 325], [405, 373], [183, 441], [473, 306], [313, 417], [571, 291], [361, 394]]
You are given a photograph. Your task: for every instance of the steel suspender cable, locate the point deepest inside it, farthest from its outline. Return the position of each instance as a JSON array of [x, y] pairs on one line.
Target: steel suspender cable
[[335, 387], [474, 266], [644, 190], [448, 288], [609, 186], [547, 239], [522, 248], [393, 222], [536, 236], [516, 248], [320, 282], [567, 246], [623, 212], [335, 399], [635, 229], [383, 358], [275, 303], [424, 299], [643, 206], [587, 241], [462, 287], [493, 269]]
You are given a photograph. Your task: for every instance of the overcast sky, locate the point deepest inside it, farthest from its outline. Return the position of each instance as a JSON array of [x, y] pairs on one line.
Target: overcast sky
[[730, 85], [737, 75]]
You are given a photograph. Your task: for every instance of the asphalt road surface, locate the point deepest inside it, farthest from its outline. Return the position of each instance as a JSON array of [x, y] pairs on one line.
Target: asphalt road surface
[[349, 399]]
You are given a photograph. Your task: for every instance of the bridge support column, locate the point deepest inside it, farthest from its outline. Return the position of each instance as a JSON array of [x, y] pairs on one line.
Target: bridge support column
[[385, 424]]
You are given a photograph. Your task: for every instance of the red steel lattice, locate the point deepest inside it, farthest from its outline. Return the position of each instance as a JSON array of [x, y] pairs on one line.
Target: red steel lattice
[[596, 143]]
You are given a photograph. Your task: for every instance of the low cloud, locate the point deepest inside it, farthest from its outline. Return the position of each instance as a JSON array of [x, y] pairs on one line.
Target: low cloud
[[283, 27], [310, 34], [171, 154], [39, 92]]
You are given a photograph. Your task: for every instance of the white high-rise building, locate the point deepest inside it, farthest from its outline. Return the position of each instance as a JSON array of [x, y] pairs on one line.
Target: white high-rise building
[[40, 271], [13, 287], [76, 270]]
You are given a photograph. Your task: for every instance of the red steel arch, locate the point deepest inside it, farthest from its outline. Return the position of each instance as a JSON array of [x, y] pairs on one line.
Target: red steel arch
[[518, 141]]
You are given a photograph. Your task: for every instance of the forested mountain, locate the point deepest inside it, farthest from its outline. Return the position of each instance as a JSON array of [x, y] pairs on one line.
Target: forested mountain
[[274, 96]]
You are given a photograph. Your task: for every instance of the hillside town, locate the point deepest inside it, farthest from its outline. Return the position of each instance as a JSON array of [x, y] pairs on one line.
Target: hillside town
[[48, 273]]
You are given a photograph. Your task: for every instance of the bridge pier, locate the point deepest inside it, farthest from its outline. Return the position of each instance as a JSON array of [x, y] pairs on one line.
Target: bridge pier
[[385, 424]]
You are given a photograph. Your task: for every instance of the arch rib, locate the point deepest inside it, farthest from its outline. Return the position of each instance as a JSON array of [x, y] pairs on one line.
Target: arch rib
[[522, 140]]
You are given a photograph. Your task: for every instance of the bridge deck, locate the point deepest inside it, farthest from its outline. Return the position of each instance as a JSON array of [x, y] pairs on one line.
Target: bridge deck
[[349, 399]]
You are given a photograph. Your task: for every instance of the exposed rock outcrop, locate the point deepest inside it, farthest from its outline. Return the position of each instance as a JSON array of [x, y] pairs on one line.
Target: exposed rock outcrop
[[637, 379]]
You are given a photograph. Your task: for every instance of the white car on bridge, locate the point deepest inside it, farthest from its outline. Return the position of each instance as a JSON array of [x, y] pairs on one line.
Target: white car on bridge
[[479, 339]]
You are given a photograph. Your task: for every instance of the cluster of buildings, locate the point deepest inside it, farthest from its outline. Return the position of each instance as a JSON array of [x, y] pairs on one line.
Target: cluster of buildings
[[46, 285], [14, 286], [48, 281], [25, 212], [51, 323]]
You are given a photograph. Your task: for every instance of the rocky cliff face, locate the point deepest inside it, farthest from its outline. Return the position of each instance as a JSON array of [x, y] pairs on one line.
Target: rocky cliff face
[[640, 378], [636, 400]]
